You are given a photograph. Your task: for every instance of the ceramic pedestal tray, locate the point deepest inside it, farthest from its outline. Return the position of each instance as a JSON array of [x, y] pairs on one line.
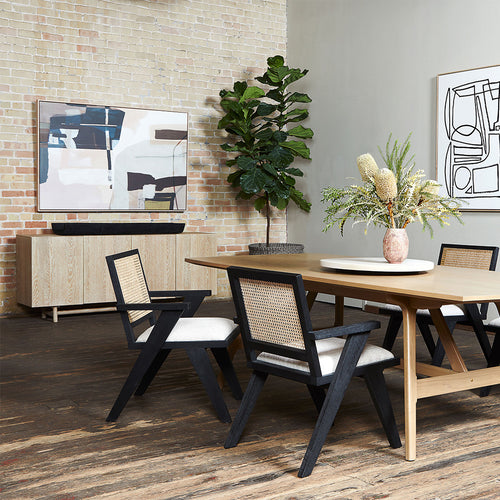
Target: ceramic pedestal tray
[[376, 265]]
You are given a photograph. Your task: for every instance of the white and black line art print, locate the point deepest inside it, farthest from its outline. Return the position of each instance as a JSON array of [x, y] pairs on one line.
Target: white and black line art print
[[468, 137]]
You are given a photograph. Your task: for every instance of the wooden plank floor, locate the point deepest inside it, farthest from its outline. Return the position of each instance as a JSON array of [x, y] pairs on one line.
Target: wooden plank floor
[[58, 382]]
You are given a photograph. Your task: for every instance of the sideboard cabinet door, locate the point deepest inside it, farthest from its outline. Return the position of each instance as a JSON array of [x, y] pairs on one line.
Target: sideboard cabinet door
[[190, 276], [49, 270], [97, 283]]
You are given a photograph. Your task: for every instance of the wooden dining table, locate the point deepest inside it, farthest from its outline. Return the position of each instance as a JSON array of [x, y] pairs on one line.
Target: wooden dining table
[[426, 290]]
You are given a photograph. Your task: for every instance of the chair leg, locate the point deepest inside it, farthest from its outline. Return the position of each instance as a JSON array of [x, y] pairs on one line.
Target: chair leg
[[318, 395], [438, 356], [201, 362], [152, 371], [343, 375], [375, 381], [141, 366], [494, 360], [425, 331], [481, 335], [395, 320], [223, 359], [252, 392]]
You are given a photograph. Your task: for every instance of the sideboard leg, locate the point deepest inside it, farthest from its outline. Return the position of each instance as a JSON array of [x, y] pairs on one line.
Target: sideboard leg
[[54, 315]]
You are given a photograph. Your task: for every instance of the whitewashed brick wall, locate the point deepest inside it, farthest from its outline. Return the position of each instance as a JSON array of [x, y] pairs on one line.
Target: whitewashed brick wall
[[168, 55]]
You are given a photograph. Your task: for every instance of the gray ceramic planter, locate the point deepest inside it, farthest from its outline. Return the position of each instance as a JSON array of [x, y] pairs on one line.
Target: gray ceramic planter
[[275, 248]]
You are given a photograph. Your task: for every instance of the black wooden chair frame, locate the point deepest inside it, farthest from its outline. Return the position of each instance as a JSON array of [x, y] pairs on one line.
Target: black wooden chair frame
[[336, 383], [494, 359], [155, 350], [473, 315]]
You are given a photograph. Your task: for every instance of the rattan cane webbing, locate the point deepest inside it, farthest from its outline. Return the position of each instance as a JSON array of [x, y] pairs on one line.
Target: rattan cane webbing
[[132, 284], [466, 257], [272, 312]]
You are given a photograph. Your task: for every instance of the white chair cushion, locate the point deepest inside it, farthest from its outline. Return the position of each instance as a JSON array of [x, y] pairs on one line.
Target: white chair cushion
[[196, 329], [495, 322], [329, 351], [447, 310]]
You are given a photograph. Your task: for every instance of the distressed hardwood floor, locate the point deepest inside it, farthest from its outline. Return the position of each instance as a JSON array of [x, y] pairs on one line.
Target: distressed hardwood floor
[[58, 382]]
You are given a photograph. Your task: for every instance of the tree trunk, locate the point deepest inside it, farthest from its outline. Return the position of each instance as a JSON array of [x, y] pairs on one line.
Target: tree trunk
[[268, 219]]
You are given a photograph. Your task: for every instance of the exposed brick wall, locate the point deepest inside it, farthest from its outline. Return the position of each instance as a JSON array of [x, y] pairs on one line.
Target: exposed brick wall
[[167, 55]]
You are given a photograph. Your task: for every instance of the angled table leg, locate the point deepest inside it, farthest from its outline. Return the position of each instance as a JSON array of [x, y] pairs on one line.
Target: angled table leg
[[454, 357]]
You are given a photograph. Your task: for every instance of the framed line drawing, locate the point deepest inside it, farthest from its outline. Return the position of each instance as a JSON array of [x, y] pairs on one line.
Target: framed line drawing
[[468, 137], [94, 158]]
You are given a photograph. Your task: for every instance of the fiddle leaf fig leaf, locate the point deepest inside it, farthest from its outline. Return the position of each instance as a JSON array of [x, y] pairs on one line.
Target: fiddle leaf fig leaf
[[275, 95], [296, 115], [252, 93], [294, 171], [298, 148], [276, 61], [300, 131], [281, 156], [245, 162], [298, 198], [265, 134], [234, 178], [228, 147], [270, 169], [239, 88], [253, 181], [265, 109], [298, 97], [280, 136], [259, 203]]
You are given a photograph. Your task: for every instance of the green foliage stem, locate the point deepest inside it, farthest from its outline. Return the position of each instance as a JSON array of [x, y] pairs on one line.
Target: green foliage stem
[[417, 198]]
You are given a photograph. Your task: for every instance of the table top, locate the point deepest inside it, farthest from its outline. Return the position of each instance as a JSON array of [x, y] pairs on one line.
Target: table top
[[441, 285]]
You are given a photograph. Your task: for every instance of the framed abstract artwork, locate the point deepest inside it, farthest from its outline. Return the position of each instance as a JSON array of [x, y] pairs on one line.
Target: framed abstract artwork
[[468, 137], [94, 158]]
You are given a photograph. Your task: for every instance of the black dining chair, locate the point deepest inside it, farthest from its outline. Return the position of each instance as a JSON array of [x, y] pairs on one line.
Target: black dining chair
[[466, 256], [172, 327], [277, 335], [493, 326]]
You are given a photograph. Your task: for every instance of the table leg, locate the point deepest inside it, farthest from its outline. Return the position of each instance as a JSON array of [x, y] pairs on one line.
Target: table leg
[[454, 357], [410, 381], [311, 297]]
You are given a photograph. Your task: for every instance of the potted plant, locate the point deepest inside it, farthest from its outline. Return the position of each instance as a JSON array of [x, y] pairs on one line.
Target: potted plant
[[391, 197], [261, 123]]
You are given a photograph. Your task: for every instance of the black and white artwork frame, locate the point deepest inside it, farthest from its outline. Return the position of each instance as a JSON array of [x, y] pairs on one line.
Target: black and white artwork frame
[[468, 137]]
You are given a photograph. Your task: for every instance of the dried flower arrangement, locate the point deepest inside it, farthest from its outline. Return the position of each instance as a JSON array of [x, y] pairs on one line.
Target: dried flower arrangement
[[391, 197]]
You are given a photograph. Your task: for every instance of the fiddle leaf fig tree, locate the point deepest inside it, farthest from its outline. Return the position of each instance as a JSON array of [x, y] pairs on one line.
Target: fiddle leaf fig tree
[[264, 135]]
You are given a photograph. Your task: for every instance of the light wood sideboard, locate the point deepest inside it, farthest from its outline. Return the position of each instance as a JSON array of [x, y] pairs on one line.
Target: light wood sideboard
[[61, 271]]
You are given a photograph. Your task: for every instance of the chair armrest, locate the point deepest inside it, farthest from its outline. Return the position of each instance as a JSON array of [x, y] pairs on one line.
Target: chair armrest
[[156, 306], [192, 297], [180, 293], [340, 331]]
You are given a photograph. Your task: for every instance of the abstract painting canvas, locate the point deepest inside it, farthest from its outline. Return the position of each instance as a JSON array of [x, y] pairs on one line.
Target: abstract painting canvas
[[105, 158], [468, 137]]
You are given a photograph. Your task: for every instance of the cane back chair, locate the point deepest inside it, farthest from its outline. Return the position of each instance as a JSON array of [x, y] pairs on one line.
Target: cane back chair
[[277, 335], [494, 360], [466, 256], [170, 325]]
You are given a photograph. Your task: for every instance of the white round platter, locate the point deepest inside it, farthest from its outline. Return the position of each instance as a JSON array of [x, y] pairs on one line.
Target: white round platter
[[376, 265]]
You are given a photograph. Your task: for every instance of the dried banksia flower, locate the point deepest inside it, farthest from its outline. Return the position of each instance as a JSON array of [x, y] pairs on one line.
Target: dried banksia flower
[[385, 185], [430, 190], [367, 167]]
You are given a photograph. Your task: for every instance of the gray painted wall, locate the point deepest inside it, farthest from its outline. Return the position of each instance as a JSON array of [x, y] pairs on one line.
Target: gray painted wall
[[373, 67]]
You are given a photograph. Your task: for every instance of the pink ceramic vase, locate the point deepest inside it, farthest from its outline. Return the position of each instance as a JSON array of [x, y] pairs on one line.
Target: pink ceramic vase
[[395, 245]]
